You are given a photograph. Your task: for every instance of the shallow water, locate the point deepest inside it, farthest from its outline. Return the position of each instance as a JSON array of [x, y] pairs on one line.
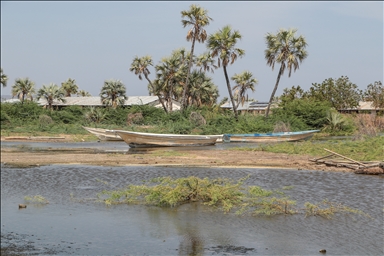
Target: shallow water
[[72, 223]]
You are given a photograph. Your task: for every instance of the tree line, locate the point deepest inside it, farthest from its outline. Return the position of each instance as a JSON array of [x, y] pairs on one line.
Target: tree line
[[183, 76]]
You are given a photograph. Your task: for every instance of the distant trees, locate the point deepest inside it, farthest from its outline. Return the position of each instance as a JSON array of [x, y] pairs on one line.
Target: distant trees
[[222, 45], [286, 49], [22, 88], [4, 78], [292, 94], [113, 93], [340, 93], [69, 87], [375, 93], [51, 93], [196, 17]]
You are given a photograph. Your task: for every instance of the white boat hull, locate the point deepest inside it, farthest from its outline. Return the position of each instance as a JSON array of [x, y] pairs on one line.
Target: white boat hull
[[269, 137], [141, 139], [104, 134]]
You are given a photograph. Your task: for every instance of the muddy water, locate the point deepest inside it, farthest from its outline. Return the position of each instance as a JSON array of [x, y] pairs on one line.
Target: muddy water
[[72, 223]]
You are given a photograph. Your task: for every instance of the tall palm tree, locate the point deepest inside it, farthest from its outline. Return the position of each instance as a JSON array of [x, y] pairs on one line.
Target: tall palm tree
[[22, 88], [288, 50], [4, 78], [140, 67], [244, 82], [51, 93], [113, 93], [196, 17], [83, 93], [69, 87], [222, 45]]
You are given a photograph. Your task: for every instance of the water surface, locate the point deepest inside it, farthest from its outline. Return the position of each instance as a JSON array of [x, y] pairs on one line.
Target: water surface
[[72, 223]]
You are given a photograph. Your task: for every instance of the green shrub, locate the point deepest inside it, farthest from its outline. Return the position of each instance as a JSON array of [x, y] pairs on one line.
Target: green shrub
[[312, 113], [4, 118]]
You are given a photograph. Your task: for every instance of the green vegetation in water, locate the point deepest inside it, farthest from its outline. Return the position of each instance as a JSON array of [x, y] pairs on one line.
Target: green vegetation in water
[[38, 199], [328, 209], [368, 149], [221, 193]]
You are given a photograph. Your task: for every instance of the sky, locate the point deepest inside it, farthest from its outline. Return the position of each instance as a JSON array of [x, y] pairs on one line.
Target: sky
[[92, 42]]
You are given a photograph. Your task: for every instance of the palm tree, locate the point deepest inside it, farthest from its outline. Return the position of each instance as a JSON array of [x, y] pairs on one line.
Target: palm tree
[[244, 81], [201, 91], [22, 88], [196, 17], [113, 93], [288, 50], [170, 74], [95, 115], [69, 87], [222, 44], [206, 62], [4, 78], [51, 93], [140, 67], [83, 93]]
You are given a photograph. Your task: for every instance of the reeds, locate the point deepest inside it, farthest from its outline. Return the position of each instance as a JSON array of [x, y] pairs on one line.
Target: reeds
[[368, 124]]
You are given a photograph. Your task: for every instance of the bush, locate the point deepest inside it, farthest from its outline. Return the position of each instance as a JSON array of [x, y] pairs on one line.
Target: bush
[[65, 117], [312, 113], [5, 119], [44, 121]]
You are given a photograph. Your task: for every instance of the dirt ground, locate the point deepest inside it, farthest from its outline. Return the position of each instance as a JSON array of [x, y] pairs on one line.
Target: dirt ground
[[164, 157]]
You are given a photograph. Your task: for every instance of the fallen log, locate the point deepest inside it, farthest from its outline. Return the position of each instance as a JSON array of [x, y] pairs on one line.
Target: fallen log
[[359, 167], [344, 157]]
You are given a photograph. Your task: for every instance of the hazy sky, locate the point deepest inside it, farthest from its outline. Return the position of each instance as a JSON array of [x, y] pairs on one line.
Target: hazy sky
[[91, 42]]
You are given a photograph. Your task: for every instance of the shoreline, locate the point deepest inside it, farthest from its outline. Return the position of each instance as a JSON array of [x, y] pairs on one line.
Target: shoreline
[[223, 158]]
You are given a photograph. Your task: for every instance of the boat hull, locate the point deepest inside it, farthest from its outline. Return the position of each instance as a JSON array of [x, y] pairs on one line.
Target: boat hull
[[104, 134], [269, 137], [140, 139]]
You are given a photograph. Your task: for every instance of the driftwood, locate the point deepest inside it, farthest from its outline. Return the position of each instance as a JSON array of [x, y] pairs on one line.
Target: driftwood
[[359, 167]]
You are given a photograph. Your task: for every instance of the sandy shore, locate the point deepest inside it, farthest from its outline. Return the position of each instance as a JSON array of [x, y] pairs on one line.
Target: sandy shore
[[164, 157]]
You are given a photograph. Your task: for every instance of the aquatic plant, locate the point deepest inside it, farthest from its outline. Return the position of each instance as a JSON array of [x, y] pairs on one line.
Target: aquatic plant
[[36, 199], [327, 209], [221, 193]]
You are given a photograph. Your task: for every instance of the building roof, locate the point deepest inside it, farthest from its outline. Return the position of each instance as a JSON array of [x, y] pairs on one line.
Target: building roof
[[96, 101], [248, 105], [364, 105]]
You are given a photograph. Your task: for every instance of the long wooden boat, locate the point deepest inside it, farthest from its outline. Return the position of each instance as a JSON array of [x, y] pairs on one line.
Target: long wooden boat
[[104, 134], [142, 139], [269, 137]]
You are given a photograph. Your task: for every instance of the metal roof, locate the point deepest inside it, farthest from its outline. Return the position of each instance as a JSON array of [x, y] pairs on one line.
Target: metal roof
[[248, 105], [364, 105], [96, 101]]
